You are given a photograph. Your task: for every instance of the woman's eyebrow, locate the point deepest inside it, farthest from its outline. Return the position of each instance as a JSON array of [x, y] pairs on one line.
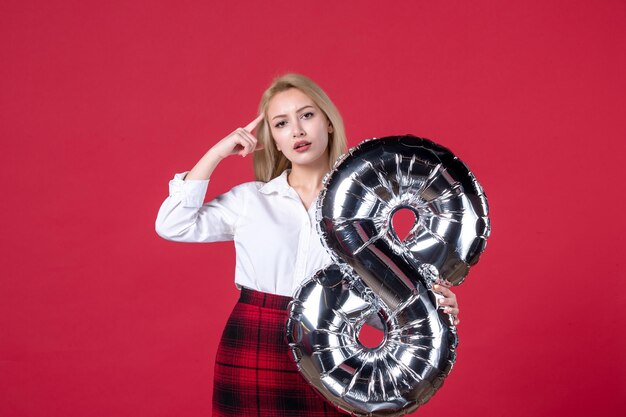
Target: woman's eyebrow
[[297, 111]]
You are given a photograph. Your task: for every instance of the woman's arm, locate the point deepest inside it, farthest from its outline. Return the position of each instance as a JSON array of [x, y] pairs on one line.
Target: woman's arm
[[240, 142], [184, 218]]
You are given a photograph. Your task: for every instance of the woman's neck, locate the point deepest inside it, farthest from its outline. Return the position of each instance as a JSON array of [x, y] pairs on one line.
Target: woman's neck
[[308, 178]]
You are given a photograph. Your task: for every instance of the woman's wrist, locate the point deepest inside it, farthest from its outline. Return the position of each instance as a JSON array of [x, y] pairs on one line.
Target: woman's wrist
[[205, 166]]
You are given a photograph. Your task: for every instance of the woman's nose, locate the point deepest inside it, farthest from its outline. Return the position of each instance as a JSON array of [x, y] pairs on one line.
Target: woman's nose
[[297, 130]]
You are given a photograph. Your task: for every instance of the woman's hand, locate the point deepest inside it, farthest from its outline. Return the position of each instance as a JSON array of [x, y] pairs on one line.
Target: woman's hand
[[448, 301], [241, 141]]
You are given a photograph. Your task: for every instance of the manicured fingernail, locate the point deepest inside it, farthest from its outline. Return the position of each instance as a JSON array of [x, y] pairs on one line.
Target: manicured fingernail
[[437, 286]]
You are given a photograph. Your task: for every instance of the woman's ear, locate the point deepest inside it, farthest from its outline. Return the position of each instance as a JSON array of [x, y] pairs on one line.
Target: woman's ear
[[330, 128]]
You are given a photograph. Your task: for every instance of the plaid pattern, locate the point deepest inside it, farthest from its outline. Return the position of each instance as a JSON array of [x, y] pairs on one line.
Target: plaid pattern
[[255, 374]]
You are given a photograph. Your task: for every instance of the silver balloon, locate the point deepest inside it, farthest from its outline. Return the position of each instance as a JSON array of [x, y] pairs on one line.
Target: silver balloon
[[379, 275]]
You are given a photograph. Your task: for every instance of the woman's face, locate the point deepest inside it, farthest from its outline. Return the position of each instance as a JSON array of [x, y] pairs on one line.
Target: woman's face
[[299, 128]]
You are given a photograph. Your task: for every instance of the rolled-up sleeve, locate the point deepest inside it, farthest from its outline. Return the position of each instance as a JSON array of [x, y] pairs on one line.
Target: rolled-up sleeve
[[184, 218]]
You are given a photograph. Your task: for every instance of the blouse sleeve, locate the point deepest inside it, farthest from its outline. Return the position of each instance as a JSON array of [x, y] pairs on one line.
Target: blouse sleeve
[[183, 217]]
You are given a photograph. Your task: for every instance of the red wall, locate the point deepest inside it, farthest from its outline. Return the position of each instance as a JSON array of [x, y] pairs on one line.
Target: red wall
[[102, 102]]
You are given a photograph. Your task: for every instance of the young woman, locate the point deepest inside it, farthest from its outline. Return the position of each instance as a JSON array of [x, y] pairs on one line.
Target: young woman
[[299, 135]]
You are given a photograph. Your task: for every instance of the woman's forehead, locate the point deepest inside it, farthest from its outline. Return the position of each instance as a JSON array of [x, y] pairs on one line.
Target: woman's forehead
[[288, 101]]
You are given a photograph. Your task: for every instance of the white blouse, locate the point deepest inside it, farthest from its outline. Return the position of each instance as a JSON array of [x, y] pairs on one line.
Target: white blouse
[[276, 242]]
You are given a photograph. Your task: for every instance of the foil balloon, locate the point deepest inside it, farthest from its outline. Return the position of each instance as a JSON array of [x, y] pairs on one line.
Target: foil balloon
[[377, 276]]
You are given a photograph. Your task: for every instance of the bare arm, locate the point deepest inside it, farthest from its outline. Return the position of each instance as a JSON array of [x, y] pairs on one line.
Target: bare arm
[[240, 142]]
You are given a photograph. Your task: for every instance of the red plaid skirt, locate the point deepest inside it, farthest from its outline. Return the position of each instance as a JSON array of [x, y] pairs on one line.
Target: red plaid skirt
[[255, 374]]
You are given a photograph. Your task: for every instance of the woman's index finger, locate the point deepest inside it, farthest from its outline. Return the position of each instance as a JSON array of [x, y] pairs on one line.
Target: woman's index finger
[[250, 126]]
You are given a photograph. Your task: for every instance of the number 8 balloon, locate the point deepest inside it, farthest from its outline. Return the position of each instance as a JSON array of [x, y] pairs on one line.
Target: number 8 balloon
[[377, 275]]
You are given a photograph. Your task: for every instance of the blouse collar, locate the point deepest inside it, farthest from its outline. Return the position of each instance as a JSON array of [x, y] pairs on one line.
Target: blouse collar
[[279, 185]]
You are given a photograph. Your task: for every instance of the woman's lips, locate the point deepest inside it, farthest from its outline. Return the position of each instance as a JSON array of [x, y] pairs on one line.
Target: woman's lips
[[302, 146]]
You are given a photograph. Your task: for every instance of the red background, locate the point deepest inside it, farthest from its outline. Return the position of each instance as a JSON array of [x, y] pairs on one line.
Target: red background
[[102, 102]]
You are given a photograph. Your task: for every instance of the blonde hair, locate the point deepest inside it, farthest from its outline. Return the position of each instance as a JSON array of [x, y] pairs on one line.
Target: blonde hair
[[269, 163]]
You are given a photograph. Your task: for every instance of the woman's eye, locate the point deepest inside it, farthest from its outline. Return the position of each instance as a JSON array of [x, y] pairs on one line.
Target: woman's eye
[[280, 124], [307, 115]]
